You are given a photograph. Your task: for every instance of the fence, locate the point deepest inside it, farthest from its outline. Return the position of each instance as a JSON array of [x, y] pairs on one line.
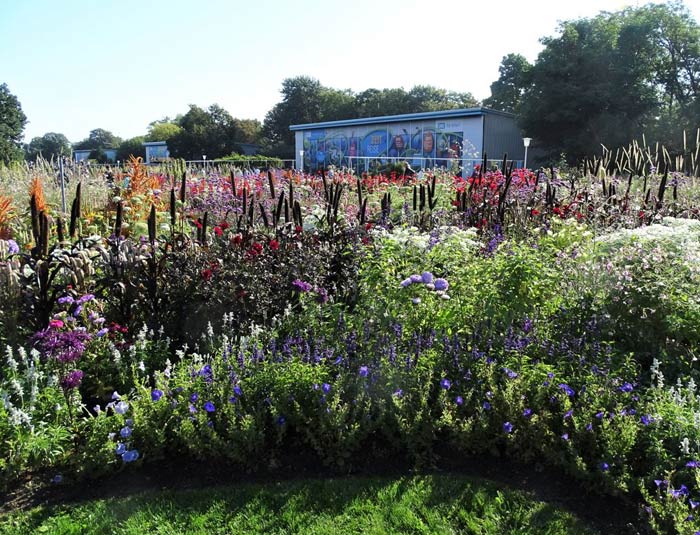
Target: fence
[[455, 165]]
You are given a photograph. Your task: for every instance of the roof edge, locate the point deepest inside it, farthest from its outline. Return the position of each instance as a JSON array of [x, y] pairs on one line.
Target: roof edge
[[443, 114]]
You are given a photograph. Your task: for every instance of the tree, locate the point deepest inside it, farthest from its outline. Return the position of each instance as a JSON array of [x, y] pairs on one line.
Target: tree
[[301, 103], [507, 92], [212, 133], [248, 130], [131, 147], [12, 121], [99, 139], [424, 98], [50, 145], [162, 131]]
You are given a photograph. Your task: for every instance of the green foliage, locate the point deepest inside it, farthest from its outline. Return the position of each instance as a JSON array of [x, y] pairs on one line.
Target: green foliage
[[12, 121], [131, 147], [162, 131], [99, 139], [48, 146]]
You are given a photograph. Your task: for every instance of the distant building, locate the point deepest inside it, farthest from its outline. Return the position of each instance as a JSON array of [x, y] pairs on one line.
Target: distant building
[[156, 151], [425, 140], [83, 155]]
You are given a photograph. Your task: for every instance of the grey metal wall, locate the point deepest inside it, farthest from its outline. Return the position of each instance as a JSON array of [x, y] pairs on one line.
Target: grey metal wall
[[502, 135]]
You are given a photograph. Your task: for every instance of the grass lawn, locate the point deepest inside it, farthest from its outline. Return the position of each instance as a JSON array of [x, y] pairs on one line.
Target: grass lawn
[[417, 504]]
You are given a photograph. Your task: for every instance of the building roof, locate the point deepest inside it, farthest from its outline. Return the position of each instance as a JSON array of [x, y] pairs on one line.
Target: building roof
[[445, 114]]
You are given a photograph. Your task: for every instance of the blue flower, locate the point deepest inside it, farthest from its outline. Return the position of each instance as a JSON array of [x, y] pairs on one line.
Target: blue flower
[[599, 415], [510, 373], [604, 467], [693, 504], [364, 371], [209, 406], [121, 407], [527, 413], [125, 432], [565, 436], [192, 408], [508, 427], [156, 394], [281, 420], [568, 414], [102, 332], [326, 388], [398, 393], [441, 285], [121, 448], [13, 248], [406, 282], [589, 427], [416, 278], [237, 390], [459, 400], [427, 277], [446, 384], [487, 406], [646, 419], [194, 397], [567, 389], [58, 478], [233, 399], [692, 464], [65, 300], [130, 456], [627, 387]]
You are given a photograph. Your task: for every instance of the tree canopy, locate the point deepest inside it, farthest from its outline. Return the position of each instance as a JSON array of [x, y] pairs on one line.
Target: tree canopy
[[606, 80], [50, 145], [12, 121], [99, 138]]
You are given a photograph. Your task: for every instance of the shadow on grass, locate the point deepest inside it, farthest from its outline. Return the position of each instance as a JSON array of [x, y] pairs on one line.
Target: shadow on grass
[[405, 504]]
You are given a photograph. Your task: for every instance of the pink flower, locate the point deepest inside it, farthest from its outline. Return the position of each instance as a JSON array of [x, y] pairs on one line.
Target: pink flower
[[56, 324]]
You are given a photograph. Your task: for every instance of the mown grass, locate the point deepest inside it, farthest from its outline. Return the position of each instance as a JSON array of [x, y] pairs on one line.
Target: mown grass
[[418, 504]]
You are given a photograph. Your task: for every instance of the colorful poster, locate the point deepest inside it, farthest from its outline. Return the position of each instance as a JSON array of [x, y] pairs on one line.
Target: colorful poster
[[399, 142], [374, 144]]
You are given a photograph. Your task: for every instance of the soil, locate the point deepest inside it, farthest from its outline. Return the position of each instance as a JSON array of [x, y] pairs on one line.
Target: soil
[[615, 515]]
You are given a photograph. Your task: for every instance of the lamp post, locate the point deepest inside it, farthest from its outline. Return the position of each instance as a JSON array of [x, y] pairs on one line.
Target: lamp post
[[301, 161], [526, 142], [204, 157]]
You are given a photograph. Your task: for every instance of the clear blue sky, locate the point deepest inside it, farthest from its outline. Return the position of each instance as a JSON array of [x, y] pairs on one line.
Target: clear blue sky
[[77, 65]]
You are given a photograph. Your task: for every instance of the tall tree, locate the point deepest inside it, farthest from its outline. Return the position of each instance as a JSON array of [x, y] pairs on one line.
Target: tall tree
[[301, 103], [514, 79], [50, 145], [131, 147], [99, 138], [12, 121], [162, 131]]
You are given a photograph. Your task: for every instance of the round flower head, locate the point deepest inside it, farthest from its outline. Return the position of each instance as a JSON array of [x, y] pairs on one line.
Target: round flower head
[[209, 406], [416, 279], [364, 371], [156, 394], [326, 388], [427, 277], [125, 432], [441, 284], [121, 407], [130, 456], [121, 448], [446, 384], [406, 282]]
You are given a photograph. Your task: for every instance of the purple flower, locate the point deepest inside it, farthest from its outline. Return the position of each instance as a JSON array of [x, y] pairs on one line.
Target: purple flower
[[441, 285], [65, 300], [102, 332], [364, 371], [416, 279], [510, 373], [77, 311], [121, 407], [486, 406], [72, 380], [192, 408], [692, 464], [281, 420], [626, 387], [301, 286], [326, 388], [398, 393], [527, 413], [693, 504], [646, 419], [194, 397], [567, 389], [121, 448], [233, 399], [568, 414], [64, 346], [427, 277], [446, 384], [604, 467], [209, 406], [321, 296], [682, 491], [565, 436], [508, 427], [237, 390], [599, 415], [85, 298], [406, 282], [125, 432], [12, 247], [156, 394], [130, 456], [459, 400], [58, 478], [589, 427]]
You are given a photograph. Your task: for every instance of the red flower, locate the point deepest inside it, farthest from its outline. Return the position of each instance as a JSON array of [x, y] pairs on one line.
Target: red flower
[[206, 274], [641, 214], [535, 211], [218, 231], [237, 239], [298, 229], [368, 226], [224, 225], [274, 245]]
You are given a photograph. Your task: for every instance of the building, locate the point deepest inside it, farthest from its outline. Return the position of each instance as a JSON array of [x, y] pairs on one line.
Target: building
[[425, 140], [156, 151], [82, 155]]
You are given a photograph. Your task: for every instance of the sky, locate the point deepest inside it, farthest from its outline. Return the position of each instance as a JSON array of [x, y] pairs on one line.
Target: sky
[[77, 65]]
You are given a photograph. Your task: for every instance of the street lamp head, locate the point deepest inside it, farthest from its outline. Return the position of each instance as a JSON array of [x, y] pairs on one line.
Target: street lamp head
[[526, 141]]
